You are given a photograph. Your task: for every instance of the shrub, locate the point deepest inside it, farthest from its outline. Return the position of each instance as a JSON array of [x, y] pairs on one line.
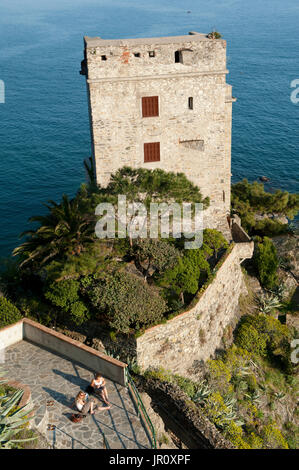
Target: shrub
[[8, 312], [155, 255], [214, 35], [273, 438], [219, 374], [254, 441], [266, 263], [269, 227], [78, 312], [159, 373], [213, 242], [249, 199], [249, 338], [65, 295], [186, 275], [187, 385], [264, 335], [126, 301], [163, 375], [234, 434]]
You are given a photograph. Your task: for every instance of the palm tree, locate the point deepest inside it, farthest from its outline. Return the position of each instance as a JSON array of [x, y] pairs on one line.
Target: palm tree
[[65, 230]]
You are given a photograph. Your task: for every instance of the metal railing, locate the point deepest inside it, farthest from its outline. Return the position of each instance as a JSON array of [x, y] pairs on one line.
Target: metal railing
[[52, 427], [141, 411]]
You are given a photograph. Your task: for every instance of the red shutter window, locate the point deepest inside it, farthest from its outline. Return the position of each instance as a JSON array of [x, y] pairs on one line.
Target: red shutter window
[[150, 106], [152, 152]]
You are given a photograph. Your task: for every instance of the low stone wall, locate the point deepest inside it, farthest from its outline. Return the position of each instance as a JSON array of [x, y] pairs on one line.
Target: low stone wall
[[10, 335], [182, 416], [76, 351], [193, 336], [58, 343]]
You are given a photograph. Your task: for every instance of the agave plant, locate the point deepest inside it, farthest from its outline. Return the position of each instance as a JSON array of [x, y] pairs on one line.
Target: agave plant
[[279, 291], [231, 413], [133, 365], [131, 362], [203, 392], [279, 395], [268, 302], [241, 371], [113, 354], [254, 397], [12, 418]]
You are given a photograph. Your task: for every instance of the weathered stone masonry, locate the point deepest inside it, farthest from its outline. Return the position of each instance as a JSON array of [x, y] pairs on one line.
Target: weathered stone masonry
[[195, 335], [194, 136]]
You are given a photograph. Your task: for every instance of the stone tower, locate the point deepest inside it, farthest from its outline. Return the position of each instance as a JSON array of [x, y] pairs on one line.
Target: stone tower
[[163, 103]]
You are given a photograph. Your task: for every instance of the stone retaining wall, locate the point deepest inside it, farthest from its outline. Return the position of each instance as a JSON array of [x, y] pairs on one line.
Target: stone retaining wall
[[182, 416], [194, 336]]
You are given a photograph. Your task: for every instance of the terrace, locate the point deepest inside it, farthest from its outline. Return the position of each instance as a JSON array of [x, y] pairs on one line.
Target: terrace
[[54, 380]]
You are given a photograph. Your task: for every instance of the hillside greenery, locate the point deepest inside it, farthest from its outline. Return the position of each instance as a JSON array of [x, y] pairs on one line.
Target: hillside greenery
[[250, 200], [65, 275], [243, 390]]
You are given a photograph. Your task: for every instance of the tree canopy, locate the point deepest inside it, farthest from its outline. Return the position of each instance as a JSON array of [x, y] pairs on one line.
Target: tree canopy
[[153, 255], [249, 199], [64, 230], [126, 301]]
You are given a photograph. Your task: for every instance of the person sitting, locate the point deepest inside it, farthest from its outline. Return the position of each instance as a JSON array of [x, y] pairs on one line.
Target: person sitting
[[99, 386], [83, 405]]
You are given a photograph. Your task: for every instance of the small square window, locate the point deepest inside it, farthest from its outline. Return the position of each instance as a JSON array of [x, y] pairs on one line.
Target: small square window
[[150, 106], [152, 53], [152, 152], [136, 54], [103, 57]]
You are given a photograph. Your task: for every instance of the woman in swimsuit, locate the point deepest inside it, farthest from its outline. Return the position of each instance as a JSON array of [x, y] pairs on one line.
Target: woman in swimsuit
[[99, 386], [83, 404]]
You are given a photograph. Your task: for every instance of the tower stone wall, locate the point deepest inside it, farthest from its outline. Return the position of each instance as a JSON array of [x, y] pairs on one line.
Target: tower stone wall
[[186, 75]]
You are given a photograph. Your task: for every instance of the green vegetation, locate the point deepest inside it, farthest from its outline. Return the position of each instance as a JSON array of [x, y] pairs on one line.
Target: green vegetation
[[250, 200], [147, 186], [13, 419], [126, 301], [8, 312], [153, 256], [266, 336], [242, 387], [193, 268], [62, 232], [214, 35], [65, 275], [65, 294], [266, 262]]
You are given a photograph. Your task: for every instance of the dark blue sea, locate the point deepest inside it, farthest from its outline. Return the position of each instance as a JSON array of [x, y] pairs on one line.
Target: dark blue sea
[[44, 129]]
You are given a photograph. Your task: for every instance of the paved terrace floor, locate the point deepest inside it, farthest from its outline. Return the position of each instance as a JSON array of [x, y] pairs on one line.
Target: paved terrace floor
[[54, 377]]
